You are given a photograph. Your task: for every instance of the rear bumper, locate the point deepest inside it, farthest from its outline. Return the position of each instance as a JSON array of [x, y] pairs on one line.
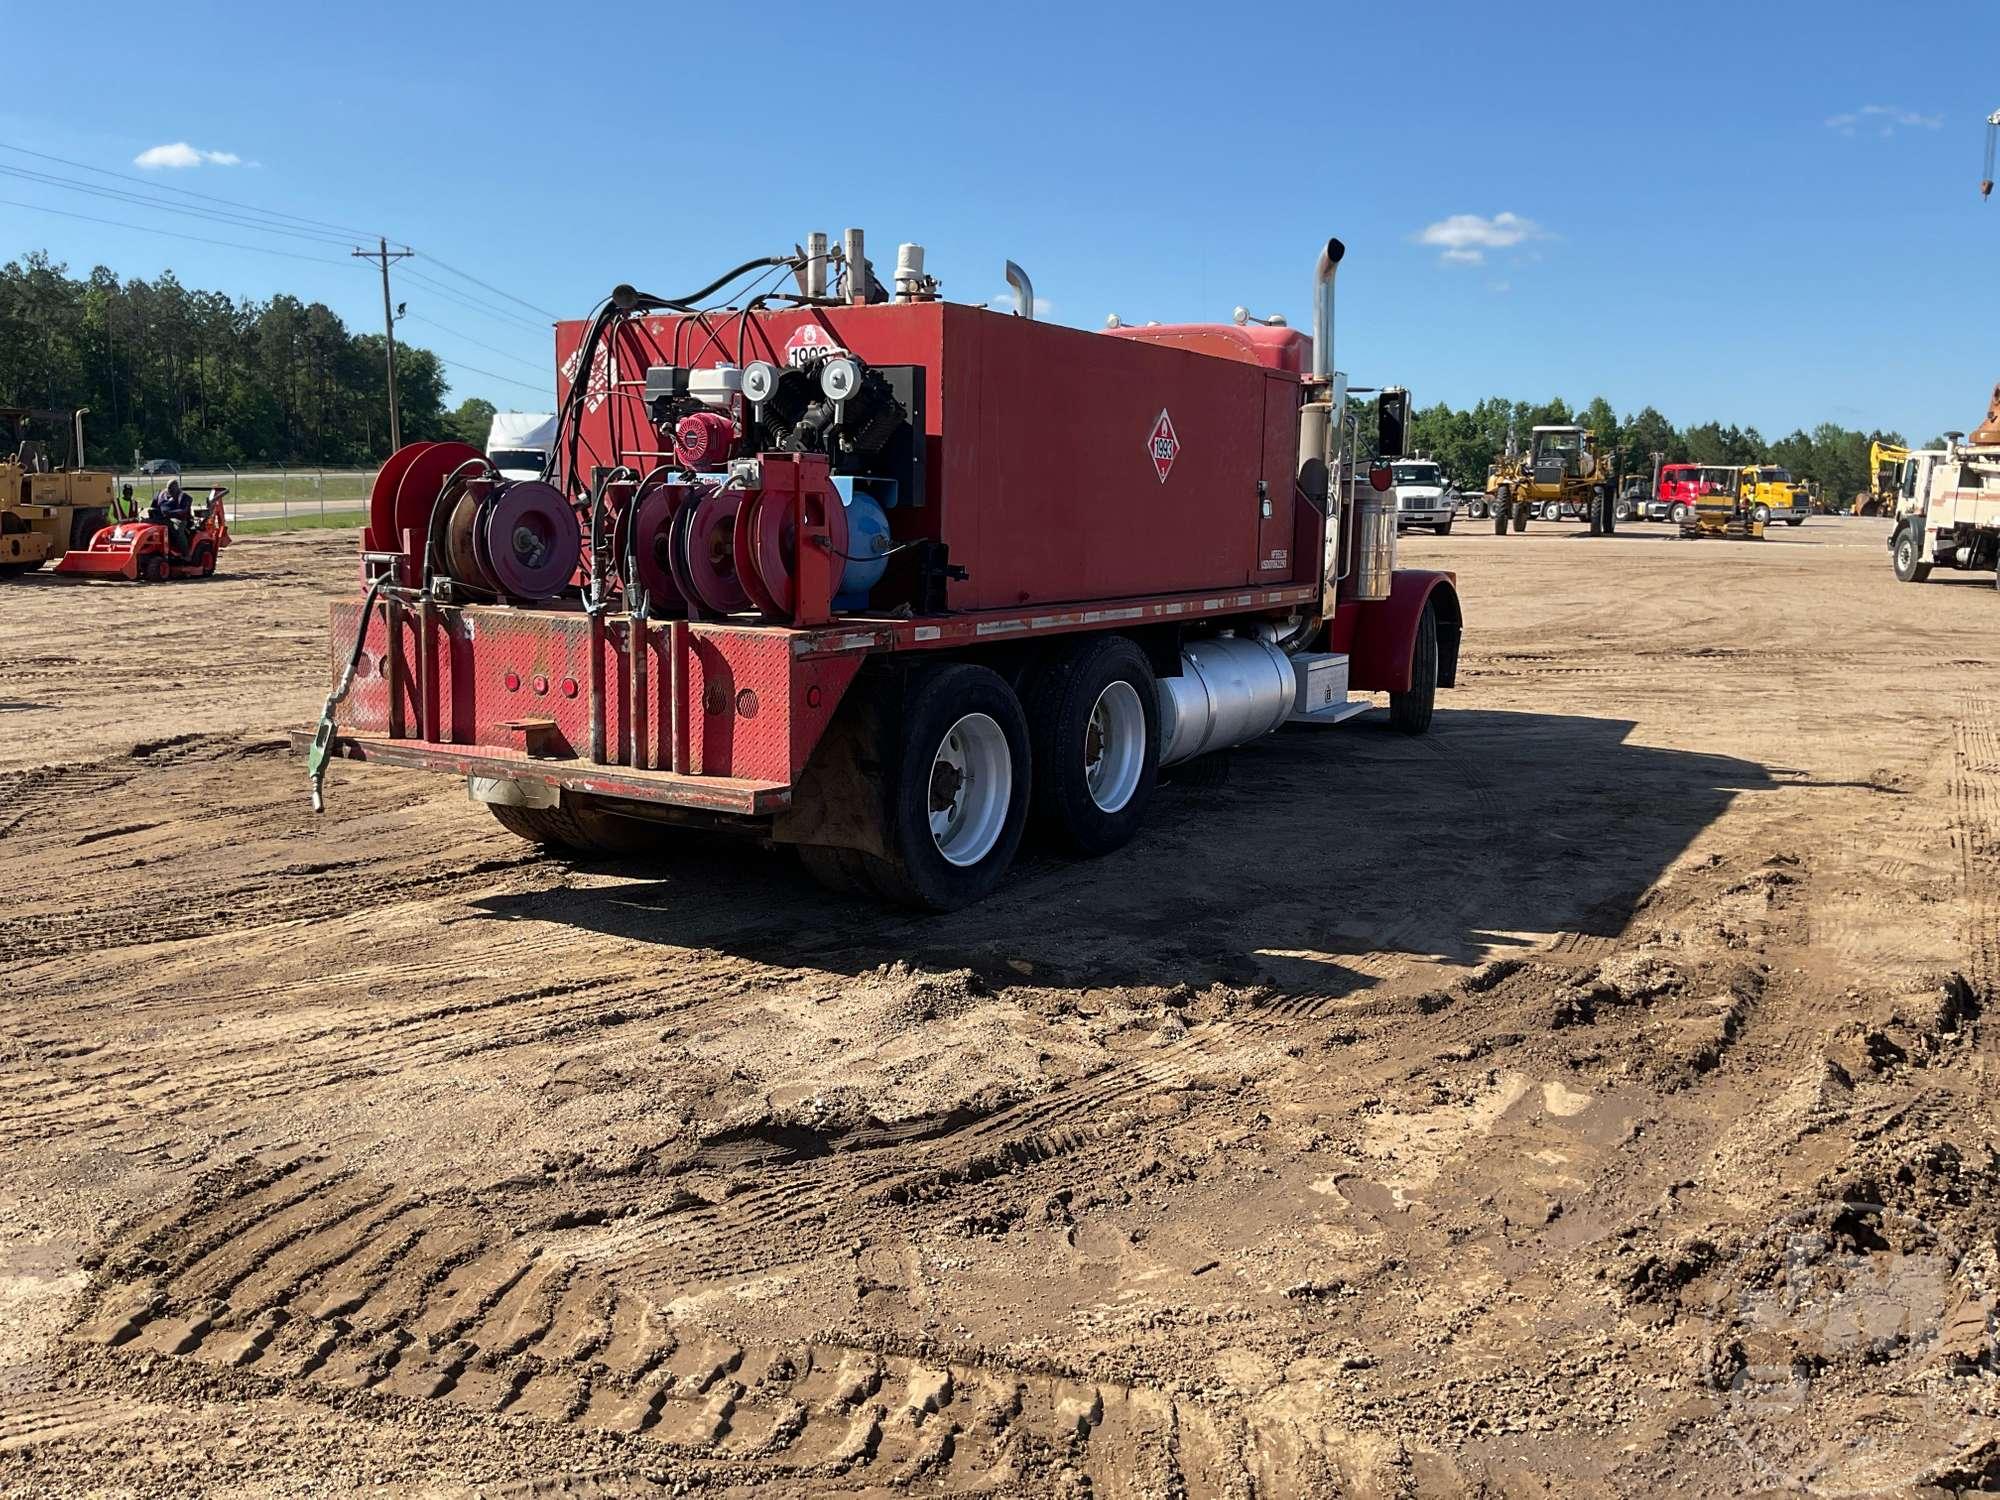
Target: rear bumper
[[722, 794]]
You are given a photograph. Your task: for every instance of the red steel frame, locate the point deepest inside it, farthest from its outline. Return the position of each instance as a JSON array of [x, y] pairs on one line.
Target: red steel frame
[[492, 690]]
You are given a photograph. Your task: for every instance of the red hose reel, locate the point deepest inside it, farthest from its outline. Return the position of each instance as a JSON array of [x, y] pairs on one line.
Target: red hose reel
[[707, 548]]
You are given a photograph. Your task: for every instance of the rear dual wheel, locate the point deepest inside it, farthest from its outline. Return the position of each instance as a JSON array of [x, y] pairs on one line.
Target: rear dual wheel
[[969, 766], [1094, 714], [956, 789]]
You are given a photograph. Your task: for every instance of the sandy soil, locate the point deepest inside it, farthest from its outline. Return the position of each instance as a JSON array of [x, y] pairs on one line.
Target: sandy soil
[[1401, 1117]]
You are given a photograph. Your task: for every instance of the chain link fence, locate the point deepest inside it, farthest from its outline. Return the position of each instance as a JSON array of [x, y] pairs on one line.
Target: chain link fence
[[278, 495]]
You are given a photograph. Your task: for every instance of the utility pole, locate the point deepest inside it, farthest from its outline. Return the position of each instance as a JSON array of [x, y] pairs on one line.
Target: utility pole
[[384, 254]]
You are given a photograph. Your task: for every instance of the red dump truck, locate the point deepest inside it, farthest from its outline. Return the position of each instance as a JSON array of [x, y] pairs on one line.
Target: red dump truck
[[884, 577]]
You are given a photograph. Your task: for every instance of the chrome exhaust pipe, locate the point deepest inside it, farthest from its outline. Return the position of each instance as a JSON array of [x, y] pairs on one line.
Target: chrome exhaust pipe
[[1024, 291], [1323, 273], [854, 254], [815, 279]]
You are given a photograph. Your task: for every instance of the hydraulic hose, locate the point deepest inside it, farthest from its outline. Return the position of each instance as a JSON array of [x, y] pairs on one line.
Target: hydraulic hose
[[323, 735]]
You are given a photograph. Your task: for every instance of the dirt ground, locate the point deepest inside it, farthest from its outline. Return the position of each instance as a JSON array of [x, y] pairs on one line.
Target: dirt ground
[[1401, 1117]]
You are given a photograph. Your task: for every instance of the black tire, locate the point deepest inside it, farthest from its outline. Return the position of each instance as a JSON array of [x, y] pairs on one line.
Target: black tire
[[917, 874], [1411, 712], [1761, 514], [1061, 698], [16, 570], [1679, 514], [1443, 528], [1521, 509], [1500, 509], [577, 827], [1795, 520], [1906, 557], [202, 559], [85, 524], [152, 568], [1623, 510]]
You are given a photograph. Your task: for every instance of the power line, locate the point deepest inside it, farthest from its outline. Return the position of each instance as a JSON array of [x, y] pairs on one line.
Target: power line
[[485, 310], [119, 195], [490, 348], [468, 276], [188, 192], [458, 364], [200, 239]]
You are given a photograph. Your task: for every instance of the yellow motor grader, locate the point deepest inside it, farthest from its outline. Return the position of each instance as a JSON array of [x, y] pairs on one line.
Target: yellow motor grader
[[1561, 474], [49, 502]]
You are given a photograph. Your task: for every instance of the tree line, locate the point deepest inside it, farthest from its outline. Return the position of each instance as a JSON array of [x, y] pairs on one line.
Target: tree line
[[1465, 442], [170, 372]]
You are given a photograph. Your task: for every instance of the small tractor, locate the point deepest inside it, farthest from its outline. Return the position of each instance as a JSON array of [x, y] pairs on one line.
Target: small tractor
[[49, 502], [1562, 472], [172, 539], [1725, 504]]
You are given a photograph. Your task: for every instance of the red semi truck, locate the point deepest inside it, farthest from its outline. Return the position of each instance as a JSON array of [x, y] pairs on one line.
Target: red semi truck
[[884, 577]]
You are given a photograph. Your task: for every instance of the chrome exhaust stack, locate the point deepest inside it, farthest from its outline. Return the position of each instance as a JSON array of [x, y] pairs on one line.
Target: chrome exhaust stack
[[1323, 425], [1024, 291], [1323, 274]]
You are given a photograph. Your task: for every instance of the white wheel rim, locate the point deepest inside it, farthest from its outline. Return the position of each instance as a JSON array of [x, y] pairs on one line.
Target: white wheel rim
[[1114, 746], [971, 787]]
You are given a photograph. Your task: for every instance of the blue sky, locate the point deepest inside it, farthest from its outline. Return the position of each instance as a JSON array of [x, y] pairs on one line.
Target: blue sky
[[1764, 213]]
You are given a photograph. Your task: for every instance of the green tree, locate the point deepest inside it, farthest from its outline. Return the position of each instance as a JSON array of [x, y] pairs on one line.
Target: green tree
[[471, 422], [169, 371]]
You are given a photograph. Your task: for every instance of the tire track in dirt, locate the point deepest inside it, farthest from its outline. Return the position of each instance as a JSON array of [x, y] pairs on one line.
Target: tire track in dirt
[[1976, 833], [29, 1419], [310, 1279]]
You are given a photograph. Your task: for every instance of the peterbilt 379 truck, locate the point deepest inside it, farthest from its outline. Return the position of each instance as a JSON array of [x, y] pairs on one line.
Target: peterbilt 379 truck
[[836, 563]]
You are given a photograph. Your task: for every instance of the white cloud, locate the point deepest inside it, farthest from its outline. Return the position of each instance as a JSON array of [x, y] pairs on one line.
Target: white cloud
[[1884, 119], [179, 154], [1464, 239]]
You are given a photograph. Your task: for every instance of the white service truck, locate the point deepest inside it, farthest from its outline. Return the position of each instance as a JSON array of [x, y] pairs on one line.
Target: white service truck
[[519, 441], [1947, 510], [1423, 495]]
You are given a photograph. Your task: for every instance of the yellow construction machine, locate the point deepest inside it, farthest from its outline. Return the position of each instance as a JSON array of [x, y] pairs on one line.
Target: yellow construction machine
[[1885, 463], [1725, 503], [49, 502], [1561, 474]]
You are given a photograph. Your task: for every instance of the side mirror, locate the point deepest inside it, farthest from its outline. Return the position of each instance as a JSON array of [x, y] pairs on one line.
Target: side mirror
[[1392, 422]]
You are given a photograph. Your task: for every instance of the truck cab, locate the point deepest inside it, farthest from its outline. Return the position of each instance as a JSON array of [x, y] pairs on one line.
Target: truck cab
[[1679, 487], [518, 443], [1423, 497], [1947, 510], [1772, 495]]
